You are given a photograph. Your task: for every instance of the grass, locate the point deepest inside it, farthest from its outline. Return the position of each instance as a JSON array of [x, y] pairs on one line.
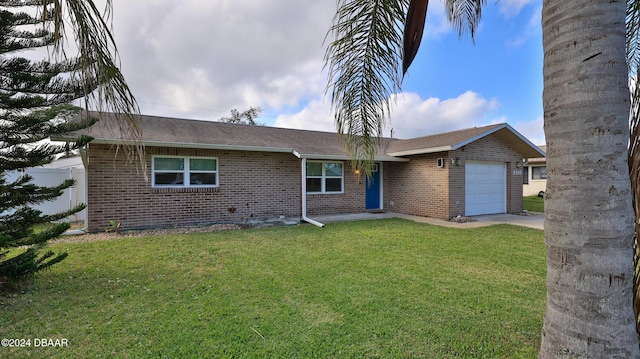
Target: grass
[[533, 203], [384, 288]]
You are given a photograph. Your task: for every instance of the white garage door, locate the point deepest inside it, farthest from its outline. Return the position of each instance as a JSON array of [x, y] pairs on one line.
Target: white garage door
[[485, 187]]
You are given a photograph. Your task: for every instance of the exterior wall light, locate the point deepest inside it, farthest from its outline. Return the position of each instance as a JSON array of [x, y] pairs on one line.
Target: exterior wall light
[[518, 164], [455, 161]]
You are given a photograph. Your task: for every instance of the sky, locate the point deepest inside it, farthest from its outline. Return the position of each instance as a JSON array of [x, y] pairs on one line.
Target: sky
[[198, 59]]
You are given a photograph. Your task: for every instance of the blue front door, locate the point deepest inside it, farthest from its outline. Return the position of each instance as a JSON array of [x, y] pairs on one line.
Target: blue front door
[[373, 188]]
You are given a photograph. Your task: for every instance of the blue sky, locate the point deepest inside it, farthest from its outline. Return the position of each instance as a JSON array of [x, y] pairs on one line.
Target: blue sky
[[503, 69], [198, 59]]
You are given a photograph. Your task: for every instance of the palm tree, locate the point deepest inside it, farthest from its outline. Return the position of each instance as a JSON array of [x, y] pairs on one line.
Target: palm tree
[[91, 31], [588, 212]]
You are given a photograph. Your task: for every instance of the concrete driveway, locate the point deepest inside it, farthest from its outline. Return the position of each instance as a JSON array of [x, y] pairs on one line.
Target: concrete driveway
[[531, 219]]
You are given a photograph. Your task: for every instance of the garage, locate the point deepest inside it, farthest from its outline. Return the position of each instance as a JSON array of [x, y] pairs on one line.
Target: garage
[[485, 187]]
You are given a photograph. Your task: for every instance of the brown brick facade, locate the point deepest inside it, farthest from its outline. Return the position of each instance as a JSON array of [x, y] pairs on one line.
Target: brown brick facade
[[262, 185], [417, 187], [259, 185], [351, 201]]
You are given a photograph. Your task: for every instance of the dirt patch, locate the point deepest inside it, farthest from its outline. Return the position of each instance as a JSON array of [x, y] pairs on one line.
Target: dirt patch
[[91, 237]]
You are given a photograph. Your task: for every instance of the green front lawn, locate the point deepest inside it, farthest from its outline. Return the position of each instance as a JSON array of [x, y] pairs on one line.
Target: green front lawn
[[533, 203], [383, 288]]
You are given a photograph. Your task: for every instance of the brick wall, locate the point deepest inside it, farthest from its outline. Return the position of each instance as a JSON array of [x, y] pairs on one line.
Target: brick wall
[[353, 199], [457, 179], [418, 187], [259, 185], [514, 188]]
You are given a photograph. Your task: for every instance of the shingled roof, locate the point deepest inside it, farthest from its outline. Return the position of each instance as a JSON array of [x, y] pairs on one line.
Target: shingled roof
[[173, 132], [454, 140]]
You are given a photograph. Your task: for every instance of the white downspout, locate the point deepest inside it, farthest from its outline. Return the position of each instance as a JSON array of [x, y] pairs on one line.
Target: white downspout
[[85, 163], [304, 196], [84, 155]]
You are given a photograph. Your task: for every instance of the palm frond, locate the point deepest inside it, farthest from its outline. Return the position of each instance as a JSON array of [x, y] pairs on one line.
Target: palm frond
[[413, 29], [465, 15], [363, 62], [633, 61], [99, 59], [633, 35]]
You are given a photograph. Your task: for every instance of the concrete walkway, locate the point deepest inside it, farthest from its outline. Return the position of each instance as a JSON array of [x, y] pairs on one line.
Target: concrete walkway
[[531, 220]]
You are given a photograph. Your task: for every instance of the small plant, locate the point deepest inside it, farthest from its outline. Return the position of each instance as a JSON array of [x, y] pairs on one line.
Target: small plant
[[113, 227]]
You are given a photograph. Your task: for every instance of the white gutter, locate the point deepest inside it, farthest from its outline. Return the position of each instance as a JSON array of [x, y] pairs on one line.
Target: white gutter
[[421, 151], [345, 157], [190, 145], [304, 196]]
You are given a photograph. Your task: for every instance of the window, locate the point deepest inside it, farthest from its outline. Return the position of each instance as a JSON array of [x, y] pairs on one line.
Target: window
[[538, 173], [184, 172], [324, 177], [525, 175]]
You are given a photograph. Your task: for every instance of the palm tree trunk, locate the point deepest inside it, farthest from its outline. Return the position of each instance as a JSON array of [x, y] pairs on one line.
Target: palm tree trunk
[[588, 214]]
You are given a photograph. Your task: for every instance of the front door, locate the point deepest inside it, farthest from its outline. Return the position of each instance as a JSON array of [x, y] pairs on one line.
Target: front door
[[373, 188]]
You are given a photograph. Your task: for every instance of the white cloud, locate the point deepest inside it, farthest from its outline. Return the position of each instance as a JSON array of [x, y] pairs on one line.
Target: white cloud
[[533, 29], [315, 116], [533, 130], [511, 8], [411, 116], [199, 59], [436, 23]]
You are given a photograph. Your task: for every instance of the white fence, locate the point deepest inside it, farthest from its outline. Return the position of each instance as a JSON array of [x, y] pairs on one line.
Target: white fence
[[52, 177]]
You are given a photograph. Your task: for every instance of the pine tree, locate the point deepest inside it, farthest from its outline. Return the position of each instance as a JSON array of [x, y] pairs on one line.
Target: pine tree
[[34, 100]]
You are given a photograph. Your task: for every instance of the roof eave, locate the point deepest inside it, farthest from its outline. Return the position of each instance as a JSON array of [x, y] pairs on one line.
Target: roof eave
[[311, 156], [537, 160], [496, 129], [420, 151], [481, 135], [526, 140], [196, 145]]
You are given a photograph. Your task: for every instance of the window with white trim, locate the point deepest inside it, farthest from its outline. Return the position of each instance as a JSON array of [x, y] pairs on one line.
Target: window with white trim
[[325, 177], [184, 172], [539, 172]]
